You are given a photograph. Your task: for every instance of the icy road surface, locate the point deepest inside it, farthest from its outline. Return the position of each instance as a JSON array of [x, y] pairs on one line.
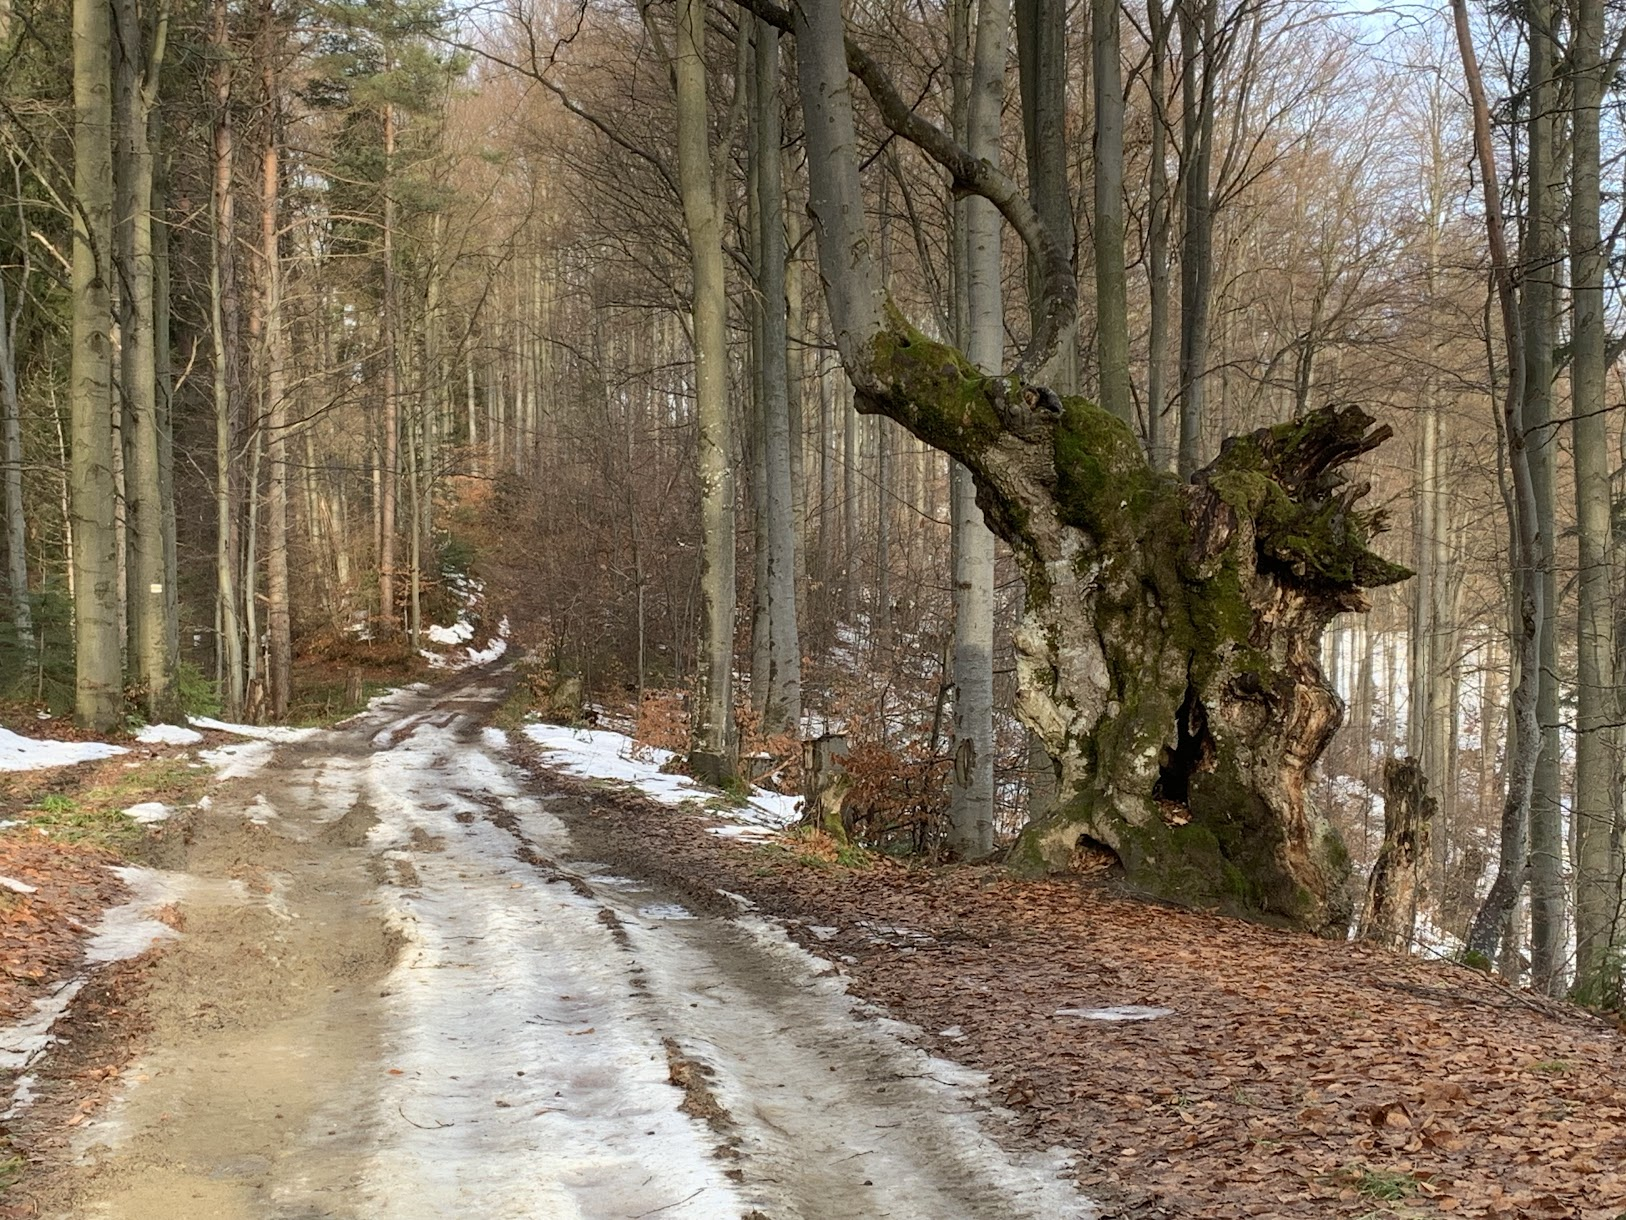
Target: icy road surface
[[420, 1005]]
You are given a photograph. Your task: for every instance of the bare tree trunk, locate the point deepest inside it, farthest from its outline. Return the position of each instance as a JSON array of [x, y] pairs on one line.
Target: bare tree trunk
[[279, 661], [11, 433], [1158, 439], [712, 754], [98, 695], [1597, 875], [147, 600], [224, 330], [389, 473], [1486, 935], [782, 700], [982, 336], [1197, 71], [1111, 293], [1042, 59], [1540, 259]]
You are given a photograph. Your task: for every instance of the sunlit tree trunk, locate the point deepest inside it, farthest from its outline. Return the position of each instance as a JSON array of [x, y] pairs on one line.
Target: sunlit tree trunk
[[279, 659]]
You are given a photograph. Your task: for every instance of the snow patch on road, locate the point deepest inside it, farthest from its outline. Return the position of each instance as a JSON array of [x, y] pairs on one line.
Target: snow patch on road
[[239, 761], [148, 812], [255, 732], [18, 753], [602, 754], [527, 1086]]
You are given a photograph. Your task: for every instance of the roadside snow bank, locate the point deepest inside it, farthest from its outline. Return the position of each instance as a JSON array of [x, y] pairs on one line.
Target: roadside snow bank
[[168, 735], [255, 732], [19, 753], [601, 754]]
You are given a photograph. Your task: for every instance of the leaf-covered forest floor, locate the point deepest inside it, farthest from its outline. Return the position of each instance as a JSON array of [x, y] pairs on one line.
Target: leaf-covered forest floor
[[1294, 1078]]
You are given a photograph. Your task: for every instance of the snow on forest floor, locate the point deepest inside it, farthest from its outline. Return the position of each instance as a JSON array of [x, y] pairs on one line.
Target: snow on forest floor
[[600, 754], [18, 753]]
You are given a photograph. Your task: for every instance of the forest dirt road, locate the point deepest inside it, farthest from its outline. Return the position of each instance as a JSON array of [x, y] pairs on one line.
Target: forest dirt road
[[400, 996]]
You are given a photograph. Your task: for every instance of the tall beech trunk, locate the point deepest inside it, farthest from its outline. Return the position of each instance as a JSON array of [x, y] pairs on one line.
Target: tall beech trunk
[[279, 655], [1111, 293], [712, 754], [1160, 441], [390, 448], [11, 437], [1485, 937], [1197, 85], [141, 56], [223, 322], [782, 699], [1540, 254], [980, 332], [1168, 654], [98, 681], [1597, 865]]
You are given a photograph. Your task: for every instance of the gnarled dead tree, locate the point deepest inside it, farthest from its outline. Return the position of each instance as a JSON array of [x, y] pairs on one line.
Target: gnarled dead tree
[[1168, 653]]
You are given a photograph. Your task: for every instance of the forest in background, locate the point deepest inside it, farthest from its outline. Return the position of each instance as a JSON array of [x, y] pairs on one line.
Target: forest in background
[[390, 295]]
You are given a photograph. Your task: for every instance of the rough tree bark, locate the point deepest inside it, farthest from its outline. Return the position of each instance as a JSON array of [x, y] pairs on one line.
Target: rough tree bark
[[98, 693], [1168, 655], [1399, 880], [712, 754]]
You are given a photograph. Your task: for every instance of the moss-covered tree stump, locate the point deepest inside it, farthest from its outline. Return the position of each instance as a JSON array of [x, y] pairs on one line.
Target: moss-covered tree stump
[[1168, 655]]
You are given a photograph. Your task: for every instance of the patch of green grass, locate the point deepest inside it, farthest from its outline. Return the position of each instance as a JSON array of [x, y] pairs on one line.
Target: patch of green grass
[[514, 710], [95, 815], [11, 1171], [1553, 1067], [1381, 1185]]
